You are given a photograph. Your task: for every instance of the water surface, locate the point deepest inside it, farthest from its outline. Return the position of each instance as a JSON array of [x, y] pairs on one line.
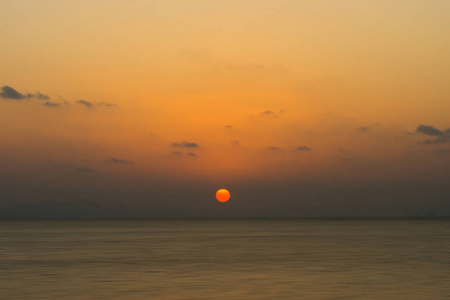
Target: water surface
[[225, 259]]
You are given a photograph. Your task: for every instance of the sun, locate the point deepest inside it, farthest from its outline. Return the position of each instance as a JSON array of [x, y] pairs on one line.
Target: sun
[[223, 195]]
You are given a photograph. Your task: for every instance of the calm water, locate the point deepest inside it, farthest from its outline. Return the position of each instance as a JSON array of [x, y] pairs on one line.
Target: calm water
[[225, 259]]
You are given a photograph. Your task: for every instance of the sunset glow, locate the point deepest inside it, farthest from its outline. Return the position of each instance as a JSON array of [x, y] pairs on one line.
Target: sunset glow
[[112, 100]]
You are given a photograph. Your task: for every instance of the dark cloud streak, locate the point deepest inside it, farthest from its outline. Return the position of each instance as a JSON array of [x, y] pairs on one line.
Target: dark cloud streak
[[303, 148], [429, 130], [106, 104], [185, 145], [440, 136], [85, 103], [273, 148], [442, 151], [51, 104], [363, 129], [8, 92], [119, 161], [268, 113], [42, 96]]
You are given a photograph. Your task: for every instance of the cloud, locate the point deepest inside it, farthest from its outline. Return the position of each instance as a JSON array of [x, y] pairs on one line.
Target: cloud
[[442, 151], [10, 93], [185, 145], [363, 129], [235, 142], [273, 148], [180, 154], [299, 148], [85, 103], [119, 161], [268, 113], [440, 136], [51, 104], [7, 92], [228, 126], [303, 148], [42, 96], [106, 104], [440, 140], [429, 130]]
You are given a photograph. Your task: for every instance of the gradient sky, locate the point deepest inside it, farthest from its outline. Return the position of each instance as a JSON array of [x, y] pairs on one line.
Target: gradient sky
[[299, 108]]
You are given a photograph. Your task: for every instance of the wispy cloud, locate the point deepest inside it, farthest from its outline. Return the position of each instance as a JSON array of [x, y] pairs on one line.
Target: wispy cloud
[[42, 96], [442, 151], [185, 145], [8, 92], [429, 130], [51, 104], [85, 103], [440, 136], [119, 161], [268, 113], [303, 148], [273, 148], [106, 104], [363, 129], [181, 154]]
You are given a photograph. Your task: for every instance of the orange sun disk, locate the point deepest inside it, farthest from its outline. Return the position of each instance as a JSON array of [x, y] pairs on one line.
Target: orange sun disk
[[223, 195]]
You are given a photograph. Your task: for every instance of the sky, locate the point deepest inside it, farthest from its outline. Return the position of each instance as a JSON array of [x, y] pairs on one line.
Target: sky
[[298, 108]]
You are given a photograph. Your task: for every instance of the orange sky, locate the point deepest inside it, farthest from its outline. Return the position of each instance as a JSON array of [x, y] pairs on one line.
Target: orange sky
[[223, 92]]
